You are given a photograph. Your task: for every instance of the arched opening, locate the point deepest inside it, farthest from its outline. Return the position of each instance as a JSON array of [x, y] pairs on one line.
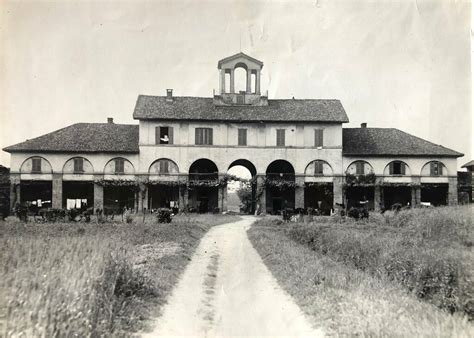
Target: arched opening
[[162, 192], [360, 185], [240, 78], [241, 189], [227, 82], [434, 184], [253, 83], [280, 186], [318, 188], [203, 186], [36, 188]]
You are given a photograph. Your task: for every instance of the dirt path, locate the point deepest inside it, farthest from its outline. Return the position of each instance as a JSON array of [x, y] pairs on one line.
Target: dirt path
[[226, 290]]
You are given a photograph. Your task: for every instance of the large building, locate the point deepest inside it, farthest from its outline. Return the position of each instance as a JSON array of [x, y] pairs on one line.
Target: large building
[[179, 154]]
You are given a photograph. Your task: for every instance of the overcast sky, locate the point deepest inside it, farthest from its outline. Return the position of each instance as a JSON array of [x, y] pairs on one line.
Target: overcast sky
[[403, 64]]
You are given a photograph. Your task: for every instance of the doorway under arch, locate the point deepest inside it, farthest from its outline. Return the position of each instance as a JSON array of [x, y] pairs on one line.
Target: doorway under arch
[[241, 192], [280, 186], [203, 186]]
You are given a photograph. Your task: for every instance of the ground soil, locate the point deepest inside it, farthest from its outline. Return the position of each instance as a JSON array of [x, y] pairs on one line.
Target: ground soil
[[226, 290]]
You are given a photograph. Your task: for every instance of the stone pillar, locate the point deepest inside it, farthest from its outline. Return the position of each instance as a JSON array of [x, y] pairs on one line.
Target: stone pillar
[[57, 194], [248, 88], [452, 190], [257, 83], [222, 82], [338, 193], [143, 197], [14, 190], [416, 191], [98, 197], [261, 202], [299, 192], [232, 85], [377, 198], [183, 198]]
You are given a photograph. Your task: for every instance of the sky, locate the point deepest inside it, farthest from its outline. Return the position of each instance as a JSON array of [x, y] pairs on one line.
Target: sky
[[403, 64]]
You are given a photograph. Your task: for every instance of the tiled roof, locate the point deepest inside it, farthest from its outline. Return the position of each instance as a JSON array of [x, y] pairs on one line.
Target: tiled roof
[[84, 138], [203, 108], [389, 142], [468, 164]]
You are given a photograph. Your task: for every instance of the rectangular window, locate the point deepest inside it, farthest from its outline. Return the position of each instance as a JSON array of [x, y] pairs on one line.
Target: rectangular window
[[119, 166], [164, 167], [436, 169], [78, 165], [203, 136], [36, 165], [318, 138], [242, 137], [360, 168], [318, 168], [280, 141], [164, 135]]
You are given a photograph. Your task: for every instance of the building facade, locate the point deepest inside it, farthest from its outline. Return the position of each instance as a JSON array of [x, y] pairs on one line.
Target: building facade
[[179, 154]]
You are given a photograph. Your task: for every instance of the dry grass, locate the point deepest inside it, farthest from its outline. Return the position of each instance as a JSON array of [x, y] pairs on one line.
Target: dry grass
[[92, 279], [335, 271]]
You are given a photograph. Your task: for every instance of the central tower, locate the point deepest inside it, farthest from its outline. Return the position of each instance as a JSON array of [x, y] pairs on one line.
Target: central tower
[[227, 94]]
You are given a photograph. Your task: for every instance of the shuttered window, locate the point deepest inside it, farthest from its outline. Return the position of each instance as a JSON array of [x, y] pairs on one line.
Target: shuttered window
[[78, 165], [318, 167], [119, 166], [164, 135], [203, 136], [242, 137], [360, 168], [397, 168], [436, 169], [280, 141], [164, 167], [318, 137], [36, 165]]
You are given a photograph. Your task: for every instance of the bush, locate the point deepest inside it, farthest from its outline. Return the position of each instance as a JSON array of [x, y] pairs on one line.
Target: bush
[[164, 215]]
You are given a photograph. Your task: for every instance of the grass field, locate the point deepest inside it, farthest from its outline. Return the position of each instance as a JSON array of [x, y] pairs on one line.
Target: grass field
[[399, 274], [77, 279]]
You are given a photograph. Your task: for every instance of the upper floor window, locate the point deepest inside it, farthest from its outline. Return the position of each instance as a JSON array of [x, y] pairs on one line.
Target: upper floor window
[[204, 136], [360, 168], [318, 167], [35, 165], [436, 169], [242, 137], [78, 165], [164, 167], [397, 168], [164, 135], [318, 138], [119, 166], [280, 141]]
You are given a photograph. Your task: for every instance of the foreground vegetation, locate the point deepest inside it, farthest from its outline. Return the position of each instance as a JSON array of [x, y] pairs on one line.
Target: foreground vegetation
[[78, 279], [396, 274]]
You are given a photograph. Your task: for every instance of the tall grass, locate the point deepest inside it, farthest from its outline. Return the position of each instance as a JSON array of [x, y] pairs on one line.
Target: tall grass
[[67, 279], [427, 251]]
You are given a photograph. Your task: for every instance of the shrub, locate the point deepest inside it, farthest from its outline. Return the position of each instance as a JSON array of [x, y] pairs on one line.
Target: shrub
[[164, 215]]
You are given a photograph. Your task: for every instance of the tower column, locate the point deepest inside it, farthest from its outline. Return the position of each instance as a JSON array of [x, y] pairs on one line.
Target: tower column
[[232, 86], [257, 82], [222, 83], [249, 78]]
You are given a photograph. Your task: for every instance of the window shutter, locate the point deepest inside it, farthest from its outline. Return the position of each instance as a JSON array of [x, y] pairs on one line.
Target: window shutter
[[432, 169], [318, 137], [390, 166], [196, 138], [359, 168], [402, 168], [157, 135], [440, 168], [210, 136], [318, 168], [170, 135]]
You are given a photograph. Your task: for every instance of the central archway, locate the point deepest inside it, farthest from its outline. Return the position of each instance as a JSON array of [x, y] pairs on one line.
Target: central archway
[[203, 186], [280, 186], [241, 192]]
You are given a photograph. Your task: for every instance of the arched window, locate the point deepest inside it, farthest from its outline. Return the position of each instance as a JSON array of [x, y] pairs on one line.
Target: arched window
[[397, 168], [163, 166]]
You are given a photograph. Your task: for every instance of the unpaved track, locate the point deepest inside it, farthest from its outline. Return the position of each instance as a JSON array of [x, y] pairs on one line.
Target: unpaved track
[[226, 290]]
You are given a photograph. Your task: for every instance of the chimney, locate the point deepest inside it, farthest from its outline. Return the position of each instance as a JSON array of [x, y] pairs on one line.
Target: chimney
[[363, 125], [169, 95], [110, 120]]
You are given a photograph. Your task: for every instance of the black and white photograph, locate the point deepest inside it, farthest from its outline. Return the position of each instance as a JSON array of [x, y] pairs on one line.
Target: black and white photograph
[[236, 168]]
